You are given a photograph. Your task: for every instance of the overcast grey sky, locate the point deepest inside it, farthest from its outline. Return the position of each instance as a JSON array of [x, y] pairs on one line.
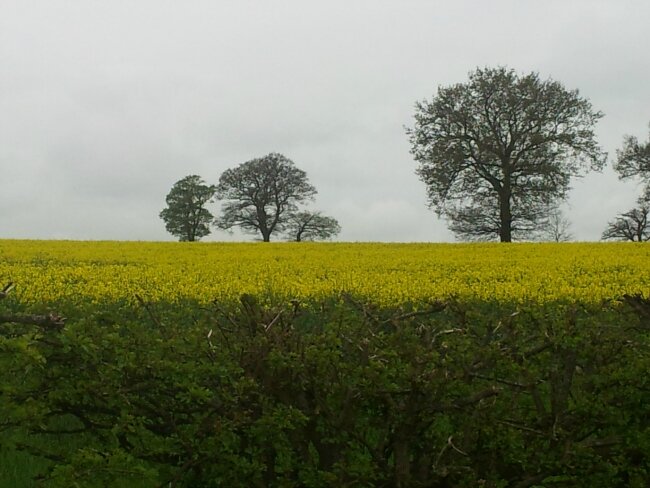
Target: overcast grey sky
[[105, 104]]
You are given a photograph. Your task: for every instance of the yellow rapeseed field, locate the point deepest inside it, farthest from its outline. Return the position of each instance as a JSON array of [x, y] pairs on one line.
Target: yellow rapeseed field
[[387, 274]]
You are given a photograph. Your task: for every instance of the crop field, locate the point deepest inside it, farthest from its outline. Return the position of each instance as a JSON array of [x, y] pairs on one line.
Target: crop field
[[386, 274], [324, 364]]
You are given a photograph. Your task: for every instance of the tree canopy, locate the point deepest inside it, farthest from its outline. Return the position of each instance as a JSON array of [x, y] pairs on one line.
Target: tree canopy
[[260, 194], [186, 216], [632, 225], [498, 152], [311, 226], [633, 160]]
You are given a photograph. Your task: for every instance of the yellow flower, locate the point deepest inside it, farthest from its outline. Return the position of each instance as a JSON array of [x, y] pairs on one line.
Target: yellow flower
[[387, 274]]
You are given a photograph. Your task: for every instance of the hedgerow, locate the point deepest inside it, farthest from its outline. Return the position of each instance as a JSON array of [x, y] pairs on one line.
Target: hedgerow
[[337, 392]]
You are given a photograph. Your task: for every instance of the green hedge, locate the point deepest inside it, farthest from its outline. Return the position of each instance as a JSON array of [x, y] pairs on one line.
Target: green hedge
[[338, 393]]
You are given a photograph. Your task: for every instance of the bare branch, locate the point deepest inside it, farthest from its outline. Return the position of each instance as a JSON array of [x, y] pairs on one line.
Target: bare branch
[[51, 320], [6, 290]]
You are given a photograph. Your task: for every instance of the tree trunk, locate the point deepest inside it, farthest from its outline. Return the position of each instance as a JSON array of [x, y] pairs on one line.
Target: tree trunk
[[401, 459], [505, 213], [263, 226]]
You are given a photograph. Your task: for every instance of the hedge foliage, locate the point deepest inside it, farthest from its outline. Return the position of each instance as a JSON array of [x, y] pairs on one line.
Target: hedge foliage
[[333, 393]]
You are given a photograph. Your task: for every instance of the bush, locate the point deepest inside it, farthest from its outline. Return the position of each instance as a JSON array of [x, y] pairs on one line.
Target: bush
[[338, 393]]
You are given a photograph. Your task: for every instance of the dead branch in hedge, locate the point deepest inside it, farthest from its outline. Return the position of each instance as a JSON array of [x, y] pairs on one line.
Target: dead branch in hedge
[[639, 304], [477, 397], [147, 307], [437, 306], [49, 321], [5, 291]]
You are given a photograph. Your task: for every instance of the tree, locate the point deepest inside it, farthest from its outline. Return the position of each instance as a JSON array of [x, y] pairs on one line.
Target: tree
[[311, 226], [261, 193], [557, 227], [632, 225], [498, 151], [633, 160], [186, 216]]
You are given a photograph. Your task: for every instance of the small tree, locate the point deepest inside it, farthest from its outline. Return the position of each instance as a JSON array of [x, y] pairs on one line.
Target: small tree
[[633, 160], [186, 216], [632, 225], [261, 193], [557, 227], [496, 152], [311, 226]]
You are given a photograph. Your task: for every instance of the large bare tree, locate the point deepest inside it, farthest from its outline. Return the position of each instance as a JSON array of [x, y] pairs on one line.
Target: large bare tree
[[498, 151], [260, 194]]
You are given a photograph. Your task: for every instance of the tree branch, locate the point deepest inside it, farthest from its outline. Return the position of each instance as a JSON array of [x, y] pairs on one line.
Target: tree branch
[[51, 320]]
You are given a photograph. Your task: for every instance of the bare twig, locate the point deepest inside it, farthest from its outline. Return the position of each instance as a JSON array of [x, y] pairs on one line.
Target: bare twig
[[451, 444], [520, 427], [606, 442], [640, 305], [446, 332], [5, 291], [440, 454], [275, 319], [533, 480], [536, 350], [51, 320], [481, 395], [523, 386], [149, 310], [437, 307]]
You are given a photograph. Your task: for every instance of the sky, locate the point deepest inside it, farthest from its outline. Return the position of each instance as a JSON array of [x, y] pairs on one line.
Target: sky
[[104, 105]]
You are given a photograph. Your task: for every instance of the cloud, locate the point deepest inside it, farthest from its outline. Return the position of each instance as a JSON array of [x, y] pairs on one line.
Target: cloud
[[104, 105]]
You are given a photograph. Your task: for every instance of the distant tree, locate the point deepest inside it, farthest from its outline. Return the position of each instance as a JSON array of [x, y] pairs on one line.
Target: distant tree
[[633, 160], [632, 225], [311, 226], [261, 194], [186, 216], [498, 151], [557, 227]]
